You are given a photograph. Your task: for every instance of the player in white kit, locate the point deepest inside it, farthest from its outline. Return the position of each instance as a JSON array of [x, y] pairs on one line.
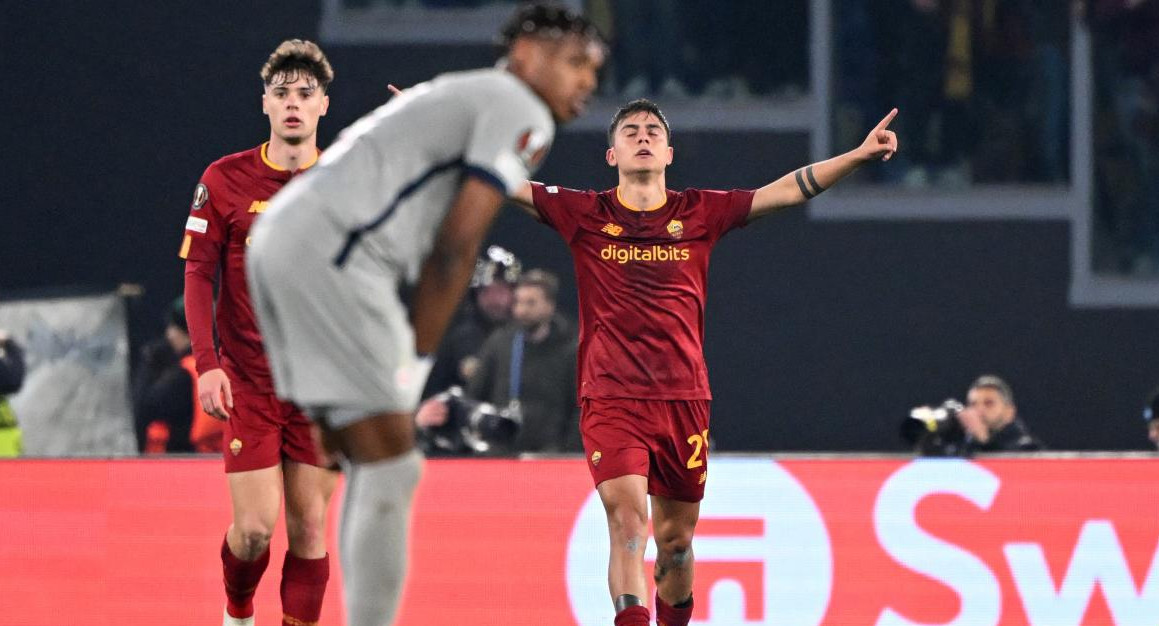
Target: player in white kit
[[402, 202]]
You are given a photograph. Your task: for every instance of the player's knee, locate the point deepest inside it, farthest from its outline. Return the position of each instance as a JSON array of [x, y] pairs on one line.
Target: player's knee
[[255, 538], [675, 543], [677, 557], [626, 522], [305, 534]]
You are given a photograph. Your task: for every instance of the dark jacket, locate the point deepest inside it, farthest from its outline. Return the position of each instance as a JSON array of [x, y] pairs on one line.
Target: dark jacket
[[11, 367], [163, 392], [464, 339], [951, 440], [1014, 437], [547, 386]]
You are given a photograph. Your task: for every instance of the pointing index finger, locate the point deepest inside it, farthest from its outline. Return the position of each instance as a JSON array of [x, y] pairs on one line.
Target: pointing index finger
[[884, 123]]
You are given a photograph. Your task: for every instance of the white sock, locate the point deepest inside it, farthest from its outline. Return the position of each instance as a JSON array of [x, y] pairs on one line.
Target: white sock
[[372, 538]]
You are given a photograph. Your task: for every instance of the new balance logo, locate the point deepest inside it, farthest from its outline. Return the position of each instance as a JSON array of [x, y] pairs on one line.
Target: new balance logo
[[612, 229]]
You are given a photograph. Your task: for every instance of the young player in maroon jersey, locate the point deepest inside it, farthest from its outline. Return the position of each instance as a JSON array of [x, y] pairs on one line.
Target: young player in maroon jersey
[[268, 446], [641, 264]]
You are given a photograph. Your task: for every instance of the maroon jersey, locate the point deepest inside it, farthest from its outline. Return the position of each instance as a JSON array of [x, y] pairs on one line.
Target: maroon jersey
[[642, 280], [233, 191]]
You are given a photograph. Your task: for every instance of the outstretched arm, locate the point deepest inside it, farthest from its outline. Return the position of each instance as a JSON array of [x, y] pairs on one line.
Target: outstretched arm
[[805, 183]]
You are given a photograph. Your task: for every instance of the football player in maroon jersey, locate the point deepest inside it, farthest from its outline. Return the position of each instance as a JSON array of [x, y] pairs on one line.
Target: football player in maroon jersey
[[641, 252], [267, 443]]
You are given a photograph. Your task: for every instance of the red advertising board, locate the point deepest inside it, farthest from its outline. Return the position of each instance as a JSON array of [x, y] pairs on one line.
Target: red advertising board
[[793, 542]]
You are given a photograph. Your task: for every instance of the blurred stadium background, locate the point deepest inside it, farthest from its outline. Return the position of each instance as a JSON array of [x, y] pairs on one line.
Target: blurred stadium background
[[1017, 233]]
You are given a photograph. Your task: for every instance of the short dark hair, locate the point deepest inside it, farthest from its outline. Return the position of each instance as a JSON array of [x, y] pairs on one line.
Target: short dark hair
[[641, 105], [543, 279], [295, 56], [989, 381], [547, 19]]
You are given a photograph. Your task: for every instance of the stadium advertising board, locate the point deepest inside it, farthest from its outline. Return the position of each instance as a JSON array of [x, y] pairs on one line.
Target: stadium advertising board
[[794, 542]]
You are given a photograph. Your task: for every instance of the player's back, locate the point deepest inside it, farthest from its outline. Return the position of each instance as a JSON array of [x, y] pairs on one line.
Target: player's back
[[390, 178]]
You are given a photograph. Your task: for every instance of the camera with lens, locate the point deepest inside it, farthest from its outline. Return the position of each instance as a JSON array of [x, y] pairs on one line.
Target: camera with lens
[[935, 430], [472, 427]]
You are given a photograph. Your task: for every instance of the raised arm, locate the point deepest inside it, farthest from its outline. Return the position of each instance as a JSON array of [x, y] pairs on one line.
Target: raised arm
[[805, 183]]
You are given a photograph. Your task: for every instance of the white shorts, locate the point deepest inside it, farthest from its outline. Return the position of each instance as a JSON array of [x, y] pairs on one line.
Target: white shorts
[[338, 339]]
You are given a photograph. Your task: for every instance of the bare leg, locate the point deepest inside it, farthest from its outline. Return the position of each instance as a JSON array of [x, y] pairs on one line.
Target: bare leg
[[376, 438], [673, 523], [308, 491], [306, 569], [625, 501], [256, 497]]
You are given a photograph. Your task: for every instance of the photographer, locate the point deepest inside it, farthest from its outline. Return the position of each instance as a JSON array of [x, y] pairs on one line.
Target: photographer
[[987, 423], [488, 308], [522, 397], [531, 364]]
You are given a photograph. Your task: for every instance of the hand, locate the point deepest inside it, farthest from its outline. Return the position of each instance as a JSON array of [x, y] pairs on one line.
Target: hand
[[215, 393], [881, 142], [468, 366], [431, 413], [972, 422]]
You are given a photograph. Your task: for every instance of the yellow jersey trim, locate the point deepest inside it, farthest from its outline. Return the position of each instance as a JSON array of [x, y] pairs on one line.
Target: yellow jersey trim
[[277, 168], [312, 161], [635, 208], [268, 162]]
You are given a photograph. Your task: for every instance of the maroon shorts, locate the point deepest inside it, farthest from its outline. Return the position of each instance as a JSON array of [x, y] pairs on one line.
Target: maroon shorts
[[262, 431], [663, 440]]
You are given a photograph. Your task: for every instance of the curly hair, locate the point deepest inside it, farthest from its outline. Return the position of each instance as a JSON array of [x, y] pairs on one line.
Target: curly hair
[[294, 57], [547, 19]]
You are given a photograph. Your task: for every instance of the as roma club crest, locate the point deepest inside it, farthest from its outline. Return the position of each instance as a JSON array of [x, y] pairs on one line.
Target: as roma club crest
[[676, 229], [596, 456], [235, 447]]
